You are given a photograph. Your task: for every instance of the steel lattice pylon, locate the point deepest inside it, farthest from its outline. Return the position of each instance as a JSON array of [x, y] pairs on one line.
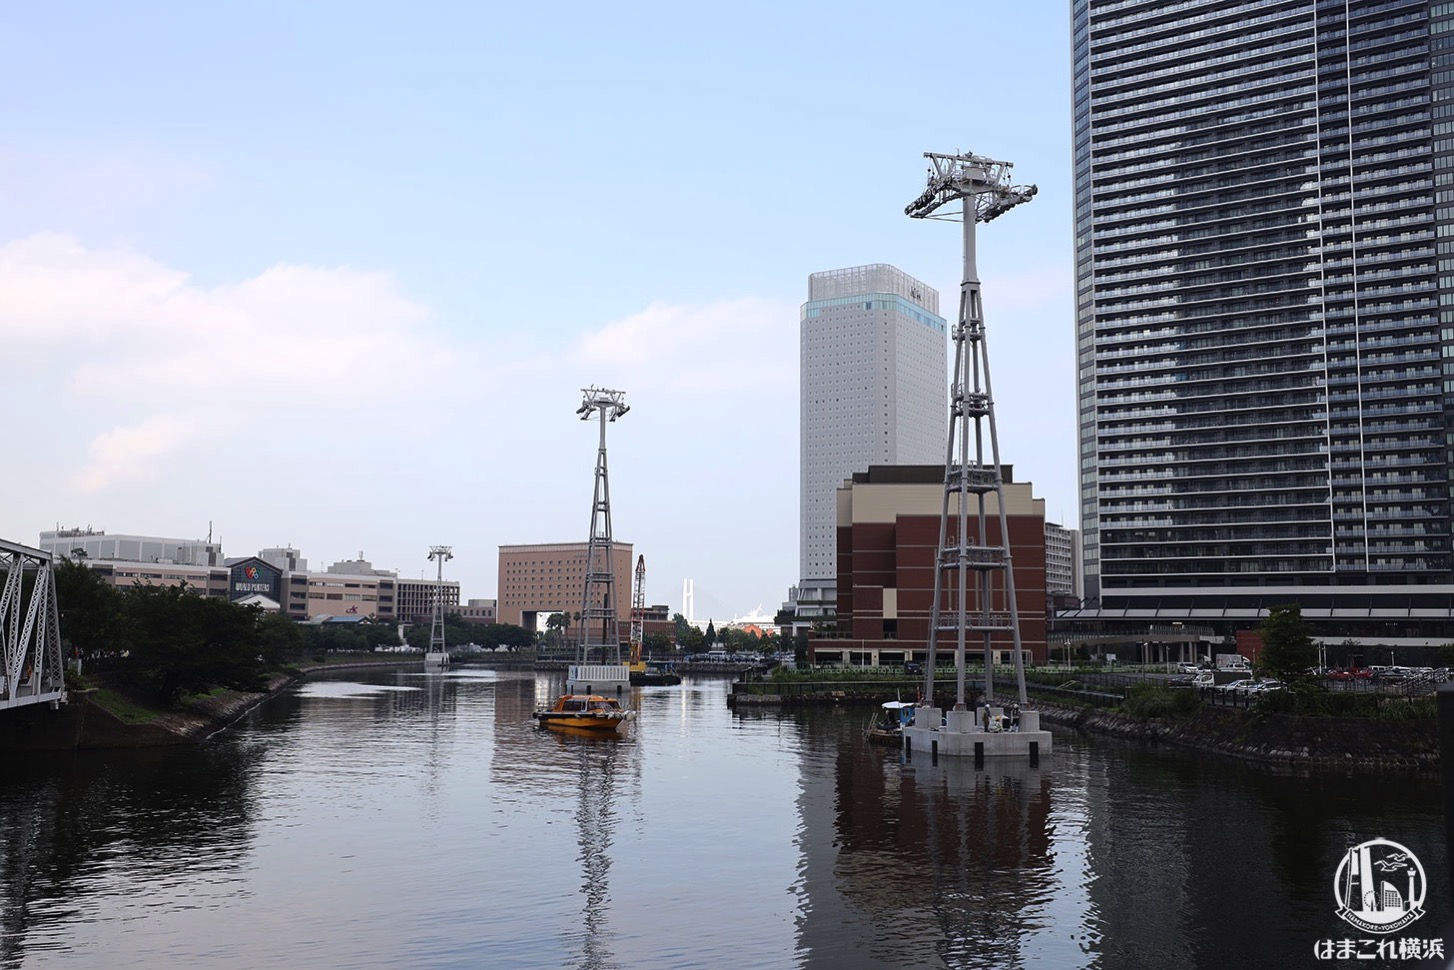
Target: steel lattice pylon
[[638, 611], [599, 623], [436, 623], [30, 635], [983, 187]]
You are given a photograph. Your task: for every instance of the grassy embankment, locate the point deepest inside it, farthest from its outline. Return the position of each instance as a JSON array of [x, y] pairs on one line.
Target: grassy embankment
[[129, 705]]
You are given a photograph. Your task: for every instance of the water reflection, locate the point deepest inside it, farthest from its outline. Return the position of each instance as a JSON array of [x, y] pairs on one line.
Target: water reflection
[[1108, 855], [948, 865], [173, 823], [413, 820], [982, 839], [595, 759], [1236, 861]]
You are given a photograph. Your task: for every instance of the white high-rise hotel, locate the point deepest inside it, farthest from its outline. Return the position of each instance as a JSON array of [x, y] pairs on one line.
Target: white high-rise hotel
[[874, 379]]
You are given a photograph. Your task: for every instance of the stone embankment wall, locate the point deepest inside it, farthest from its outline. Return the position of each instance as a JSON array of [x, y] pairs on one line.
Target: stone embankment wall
[[1361, 743]]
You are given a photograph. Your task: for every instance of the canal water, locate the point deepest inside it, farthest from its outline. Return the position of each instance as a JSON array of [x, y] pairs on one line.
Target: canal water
[[403, 819]]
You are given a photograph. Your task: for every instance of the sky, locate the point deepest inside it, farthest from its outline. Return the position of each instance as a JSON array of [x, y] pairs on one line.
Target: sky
[[334, 274]]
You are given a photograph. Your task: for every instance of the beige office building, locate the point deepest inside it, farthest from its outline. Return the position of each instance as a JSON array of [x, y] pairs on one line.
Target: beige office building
[[478, 611], [537, 580], [416, 598], [344, 594], [206, 580]]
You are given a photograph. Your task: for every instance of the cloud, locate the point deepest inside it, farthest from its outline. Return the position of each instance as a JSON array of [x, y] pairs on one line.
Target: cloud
[[164, 362], [325, 406], [130, 454], [703, 348]]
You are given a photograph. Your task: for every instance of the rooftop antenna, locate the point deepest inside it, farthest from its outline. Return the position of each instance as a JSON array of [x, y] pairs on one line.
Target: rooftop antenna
[[982, 187]]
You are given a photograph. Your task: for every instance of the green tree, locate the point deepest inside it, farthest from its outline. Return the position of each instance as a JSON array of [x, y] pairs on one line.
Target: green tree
[[378, 633], [740, 641], [279, 640], [417, 636], [504, 635], [682, 626], [692, 640], [88, 607], [1287, 643], [711, 635], [181, 643]]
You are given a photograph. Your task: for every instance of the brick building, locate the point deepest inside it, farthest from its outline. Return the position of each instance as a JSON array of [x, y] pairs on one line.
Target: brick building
[[543, 578], [888, 534]]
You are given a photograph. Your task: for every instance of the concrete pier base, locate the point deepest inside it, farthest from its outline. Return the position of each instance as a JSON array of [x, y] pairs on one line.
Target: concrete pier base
[[968, 734], [597, 679]]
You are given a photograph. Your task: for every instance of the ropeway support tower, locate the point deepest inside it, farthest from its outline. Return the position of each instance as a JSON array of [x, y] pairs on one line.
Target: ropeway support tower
[[966, 558], [438, 652], [599, 633]]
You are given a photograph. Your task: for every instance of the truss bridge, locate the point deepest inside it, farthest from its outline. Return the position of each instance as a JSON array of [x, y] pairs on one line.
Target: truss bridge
[[31, 666]]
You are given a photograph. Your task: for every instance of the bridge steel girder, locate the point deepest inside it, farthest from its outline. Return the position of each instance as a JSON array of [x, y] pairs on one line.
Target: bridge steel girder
[[32, 669]]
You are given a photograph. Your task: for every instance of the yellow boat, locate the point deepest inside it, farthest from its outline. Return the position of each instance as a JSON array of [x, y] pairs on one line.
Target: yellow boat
[[585, 712]]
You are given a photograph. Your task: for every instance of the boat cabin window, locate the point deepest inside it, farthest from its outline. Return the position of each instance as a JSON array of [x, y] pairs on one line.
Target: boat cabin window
[[574, 706]]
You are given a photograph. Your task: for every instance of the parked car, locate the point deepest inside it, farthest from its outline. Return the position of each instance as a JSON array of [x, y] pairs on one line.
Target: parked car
[[1237, 686]]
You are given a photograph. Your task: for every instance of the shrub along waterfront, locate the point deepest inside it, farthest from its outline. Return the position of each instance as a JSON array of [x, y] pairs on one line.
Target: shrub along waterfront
[[1131, 692], [1306, 724]]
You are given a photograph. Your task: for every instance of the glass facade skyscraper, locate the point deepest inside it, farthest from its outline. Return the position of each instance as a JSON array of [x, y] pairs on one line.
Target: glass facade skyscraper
[[874, 375], [1264, 226]]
